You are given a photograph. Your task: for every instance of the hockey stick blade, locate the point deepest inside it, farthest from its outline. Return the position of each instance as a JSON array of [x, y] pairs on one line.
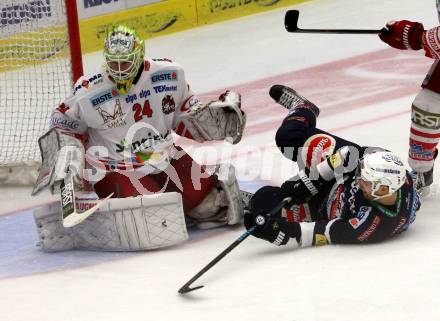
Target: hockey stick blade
[[291, 25], [68, 209], [75, 218], [186, 287], [291, 20]]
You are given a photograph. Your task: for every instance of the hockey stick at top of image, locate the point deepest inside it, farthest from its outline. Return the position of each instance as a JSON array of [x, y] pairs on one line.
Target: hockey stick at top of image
[[291, 24], [186, 287]]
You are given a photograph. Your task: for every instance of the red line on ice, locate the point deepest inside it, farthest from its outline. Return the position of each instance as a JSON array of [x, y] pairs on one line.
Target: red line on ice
[[336, 87]]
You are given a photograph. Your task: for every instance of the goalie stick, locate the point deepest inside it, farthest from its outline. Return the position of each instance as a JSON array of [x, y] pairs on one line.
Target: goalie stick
[[291, 24], [68, 208], [186, 287]]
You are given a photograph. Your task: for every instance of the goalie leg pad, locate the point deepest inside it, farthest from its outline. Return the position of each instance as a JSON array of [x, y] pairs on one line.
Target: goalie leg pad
[[126, 224], [52, 235], [224, 204], [229, 184]]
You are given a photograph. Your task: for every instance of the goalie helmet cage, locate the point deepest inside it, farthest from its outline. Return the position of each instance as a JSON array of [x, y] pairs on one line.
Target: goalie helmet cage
[[40, 59]]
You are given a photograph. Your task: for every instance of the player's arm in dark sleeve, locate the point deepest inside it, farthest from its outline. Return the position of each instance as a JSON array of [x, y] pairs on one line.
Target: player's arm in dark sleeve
[[370, 227]]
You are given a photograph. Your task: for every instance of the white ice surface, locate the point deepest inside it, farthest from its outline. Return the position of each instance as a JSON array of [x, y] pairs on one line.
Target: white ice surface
[[364, 90]]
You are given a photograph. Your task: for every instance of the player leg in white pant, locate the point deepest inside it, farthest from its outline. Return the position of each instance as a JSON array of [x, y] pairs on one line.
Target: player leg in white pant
[[425, 128]]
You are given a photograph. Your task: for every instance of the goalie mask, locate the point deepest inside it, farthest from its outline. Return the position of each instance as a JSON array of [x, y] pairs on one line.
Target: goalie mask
[[382, 169], [124, 53]]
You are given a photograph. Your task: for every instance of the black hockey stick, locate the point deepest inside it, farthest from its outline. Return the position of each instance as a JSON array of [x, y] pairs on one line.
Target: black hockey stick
[[291, 24], [186, 287]]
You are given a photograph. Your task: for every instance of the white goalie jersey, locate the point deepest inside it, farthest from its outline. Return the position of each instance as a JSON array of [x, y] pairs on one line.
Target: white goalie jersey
[[132, 131], [133, 128], [111, 133]]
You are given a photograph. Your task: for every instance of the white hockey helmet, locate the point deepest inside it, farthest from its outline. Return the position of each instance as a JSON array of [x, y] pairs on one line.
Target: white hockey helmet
[[124, 53], [383, 169]]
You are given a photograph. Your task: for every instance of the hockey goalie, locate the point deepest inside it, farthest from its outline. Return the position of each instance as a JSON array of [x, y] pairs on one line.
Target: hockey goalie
[[114, 133]]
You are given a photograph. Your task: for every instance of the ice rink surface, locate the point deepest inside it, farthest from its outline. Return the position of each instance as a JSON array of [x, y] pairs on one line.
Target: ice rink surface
[[364, 89]]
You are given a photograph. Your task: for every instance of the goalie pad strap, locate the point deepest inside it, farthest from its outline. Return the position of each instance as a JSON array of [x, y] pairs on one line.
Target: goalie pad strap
[[128, 224]]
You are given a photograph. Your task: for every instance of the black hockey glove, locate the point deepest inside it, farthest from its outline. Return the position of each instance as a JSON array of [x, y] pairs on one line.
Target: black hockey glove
[[276, 230], [301, 188]]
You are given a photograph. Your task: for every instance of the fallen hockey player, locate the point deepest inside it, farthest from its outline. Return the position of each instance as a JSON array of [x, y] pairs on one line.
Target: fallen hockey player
[[343, 193]]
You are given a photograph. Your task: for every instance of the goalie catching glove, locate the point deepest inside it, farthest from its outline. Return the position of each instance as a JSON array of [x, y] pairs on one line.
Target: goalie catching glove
[[219, 119]]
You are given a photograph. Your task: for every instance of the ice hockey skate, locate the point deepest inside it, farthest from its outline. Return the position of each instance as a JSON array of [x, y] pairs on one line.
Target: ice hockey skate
[[290, 99], [425, 180]]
